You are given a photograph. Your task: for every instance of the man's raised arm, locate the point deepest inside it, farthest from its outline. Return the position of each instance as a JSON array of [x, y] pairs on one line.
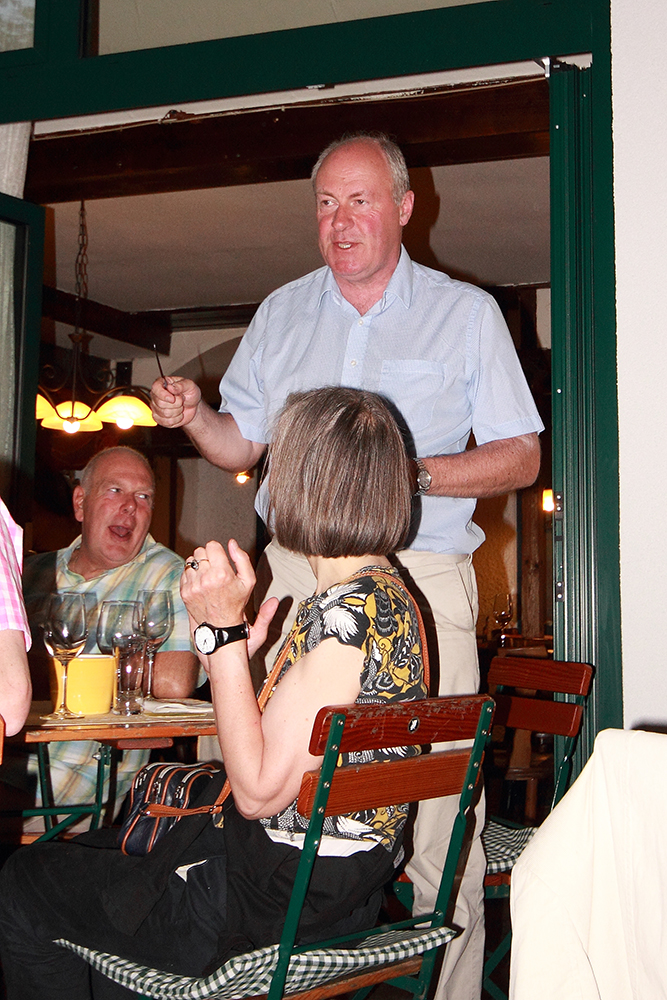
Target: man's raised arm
[[215, 435], [489, 470]]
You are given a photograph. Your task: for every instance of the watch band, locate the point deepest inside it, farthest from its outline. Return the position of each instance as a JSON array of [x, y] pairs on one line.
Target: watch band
[[234, 633]]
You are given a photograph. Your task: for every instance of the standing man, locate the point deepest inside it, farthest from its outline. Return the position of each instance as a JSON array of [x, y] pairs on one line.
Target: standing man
[[113, 558], [440, 351]]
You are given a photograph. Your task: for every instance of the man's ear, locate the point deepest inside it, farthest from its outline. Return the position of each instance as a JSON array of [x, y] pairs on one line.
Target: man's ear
[[406, 206], [77, 501]]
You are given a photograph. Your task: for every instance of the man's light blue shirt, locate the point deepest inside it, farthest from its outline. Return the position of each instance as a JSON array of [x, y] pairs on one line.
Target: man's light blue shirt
[[438, 349]]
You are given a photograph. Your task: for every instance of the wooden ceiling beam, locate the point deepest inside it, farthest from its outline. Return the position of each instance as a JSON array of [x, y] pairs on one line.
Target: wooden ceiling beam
[[473, 124], [139, 329], [227, 317]]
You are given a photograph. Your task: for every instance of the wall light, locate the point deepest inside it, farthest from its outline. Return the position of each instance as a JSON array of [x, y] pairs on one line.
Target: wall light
[[548, 505]]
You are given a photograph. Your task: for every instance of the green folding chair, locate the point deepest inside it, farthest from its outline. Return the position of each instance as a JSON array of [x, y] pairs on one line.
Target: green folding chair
[[526, 692], [402, 953]]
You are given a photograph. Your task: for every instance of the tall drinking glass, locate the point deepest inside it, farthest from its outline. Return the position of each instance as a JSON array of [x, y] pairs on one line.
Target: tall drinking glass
[[502, 609], [119, 631], [157, 626], [65, 633]]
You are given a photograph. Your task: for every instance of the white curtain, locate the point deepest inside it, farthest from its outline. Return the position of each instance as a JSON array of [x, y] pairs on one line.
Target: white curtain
[[14, 140]]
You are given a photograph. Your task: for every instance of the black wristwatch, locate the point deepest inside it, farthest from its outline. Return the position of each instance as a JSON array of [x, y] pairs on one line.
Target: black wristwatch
[[208, 638], [424, 478]]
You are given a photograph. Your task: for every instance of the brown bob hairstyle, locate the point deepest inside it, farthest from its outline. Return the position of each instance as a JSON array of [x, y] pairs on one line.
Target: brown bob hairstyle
[[339, 478]]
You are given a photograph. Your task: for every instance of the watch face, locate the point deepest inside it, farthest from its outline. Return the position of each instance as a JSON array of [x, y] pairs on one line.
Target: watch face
[[205, 639], [424, 479]]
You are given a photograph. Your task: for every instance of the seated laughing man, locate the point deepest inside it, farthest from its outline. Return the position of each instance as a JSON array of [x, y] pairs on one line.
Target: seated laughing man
[[113, 558]]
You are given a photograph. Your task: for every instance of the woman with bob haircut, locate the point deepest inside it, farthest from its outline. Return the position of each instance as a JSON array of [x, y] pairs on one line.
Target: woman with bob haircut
[[216, 886]]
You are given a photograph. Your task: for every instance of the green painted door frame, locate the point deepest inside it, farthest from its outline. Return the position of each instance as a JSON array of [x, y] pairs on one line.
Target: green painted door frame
[[584, 417], [55, 80]]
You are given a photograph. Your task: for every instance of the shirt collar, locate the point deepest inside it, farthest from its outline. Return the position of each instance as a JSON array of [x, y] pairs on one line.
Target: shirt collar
[[329, 285], [64, 556], [400, 284]]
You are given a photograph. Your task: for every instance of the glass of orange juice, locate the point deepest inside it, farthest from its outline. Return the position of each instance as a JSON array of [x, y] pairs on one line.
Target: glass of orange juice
[[90, 683]]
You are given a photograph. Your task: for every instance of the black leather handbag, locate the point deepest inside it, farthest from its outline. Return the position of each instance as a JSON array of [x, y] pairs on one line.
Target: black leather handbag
[[170, 785], [161, 793]]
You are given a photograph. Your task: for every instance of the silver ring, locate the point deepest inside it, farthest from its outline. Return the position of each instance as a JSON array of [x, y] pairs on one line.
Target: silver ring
[[192, 564]]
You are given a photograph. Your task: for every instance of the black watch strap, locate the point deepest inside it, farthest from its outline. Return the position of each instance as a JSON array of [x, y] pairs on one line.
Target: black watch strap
[[232, 634], [209, 637]]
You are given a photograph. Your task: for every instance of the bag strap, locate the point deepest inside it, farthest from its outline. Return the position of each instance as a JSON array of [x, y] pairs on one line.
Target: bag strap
[[155, 809]]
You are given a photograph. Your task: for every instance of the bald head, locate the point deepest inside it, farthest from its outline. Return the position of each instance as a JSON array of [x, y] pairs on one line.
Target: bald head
[[400, 179], [114, 504]]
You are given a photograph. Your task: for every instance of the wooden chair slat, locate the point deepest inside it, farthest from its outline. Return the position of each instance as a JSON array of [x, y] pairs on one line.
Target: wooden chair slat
[[557, 717], [369, 786], [541, 675], [398, 724]]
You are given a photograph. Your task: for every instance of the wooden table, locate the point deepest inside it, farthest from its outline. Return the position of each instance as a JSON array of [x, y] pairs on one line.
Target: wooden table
[[112, 732]]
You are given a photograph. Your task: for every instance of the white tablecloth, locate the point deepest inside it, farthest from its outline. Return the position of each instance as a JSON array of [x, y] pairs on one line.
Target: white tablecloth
[[589, 893]]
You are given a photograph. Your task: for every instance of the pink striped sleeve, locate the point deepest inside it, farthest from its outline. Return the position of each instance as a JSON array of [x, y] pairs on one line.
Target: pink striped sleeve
[[12, 609]]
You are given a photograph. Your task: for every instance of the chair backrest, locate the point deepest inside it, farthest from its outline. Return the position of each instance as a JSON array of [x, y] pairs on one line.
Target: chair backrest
[[333, 790], [526, 707]]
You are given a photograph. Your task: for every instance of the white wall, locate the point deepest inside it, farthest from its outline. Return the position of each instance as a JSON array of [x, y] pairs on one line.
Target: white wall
[[639, 35], [213, 506]]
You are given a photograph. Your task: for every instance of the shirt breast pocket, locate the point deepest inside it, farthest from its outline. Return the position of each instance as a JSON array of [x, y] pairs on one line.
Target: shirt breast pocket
[[414, 387]]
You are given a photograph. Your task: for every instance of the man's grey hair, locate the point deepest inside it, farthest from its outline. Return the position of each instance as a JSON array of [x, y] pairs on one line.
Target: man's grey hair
[[121, 449], [400, 179]]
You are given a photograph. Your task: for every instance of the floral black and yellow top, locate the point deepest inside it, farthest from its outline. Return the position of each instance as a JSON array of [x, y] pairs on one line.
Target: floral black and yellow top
[[377, 616]]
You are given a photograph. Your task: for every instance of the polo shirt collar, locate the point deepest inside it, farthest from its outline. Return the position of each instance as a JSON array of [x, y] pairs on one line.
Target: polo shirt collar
[[64, 556]]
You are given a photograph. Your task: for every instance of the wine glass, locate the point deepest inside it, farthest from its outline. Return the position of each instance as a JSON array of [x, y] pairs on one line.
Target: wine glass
[[119, 631], [502, 610], [157, 625], [65, 633]]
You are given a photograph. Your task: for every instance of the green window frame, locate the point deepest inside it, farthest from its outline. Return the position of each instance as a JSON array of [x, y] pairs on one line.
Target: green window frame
[[56, 81]]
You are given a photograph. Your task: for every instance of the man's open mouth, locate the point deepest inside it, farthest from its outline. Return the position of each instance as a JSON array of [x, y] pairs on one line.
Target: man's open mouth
[[120, 531]]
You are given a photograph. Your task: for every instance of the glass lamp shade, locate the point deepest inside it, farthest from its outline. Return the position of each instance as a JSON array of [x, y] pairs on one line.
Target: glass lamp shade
[[83, 419], [126, 411], [43, 408]]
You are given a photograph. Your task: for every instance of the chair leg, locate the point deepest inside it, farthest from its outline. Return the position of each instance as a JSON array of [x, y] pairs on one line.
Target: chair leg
[[491, 964], [531, 801]]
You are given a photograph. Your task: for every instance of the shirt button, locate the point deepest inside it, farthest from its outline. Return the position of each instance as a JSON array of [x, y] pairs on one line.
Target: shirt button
[[353, 364], [361, 322]]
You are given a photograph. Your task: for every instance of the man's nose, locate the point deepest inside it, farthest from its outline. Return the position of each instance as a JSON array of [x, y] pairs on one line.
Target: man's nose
[[129, 502], [342, 218]]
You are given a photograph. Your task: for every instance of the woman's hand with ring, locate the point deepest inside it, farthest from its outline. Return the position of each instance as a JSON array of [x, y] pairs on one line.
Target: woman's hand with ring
[[218, 588]]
